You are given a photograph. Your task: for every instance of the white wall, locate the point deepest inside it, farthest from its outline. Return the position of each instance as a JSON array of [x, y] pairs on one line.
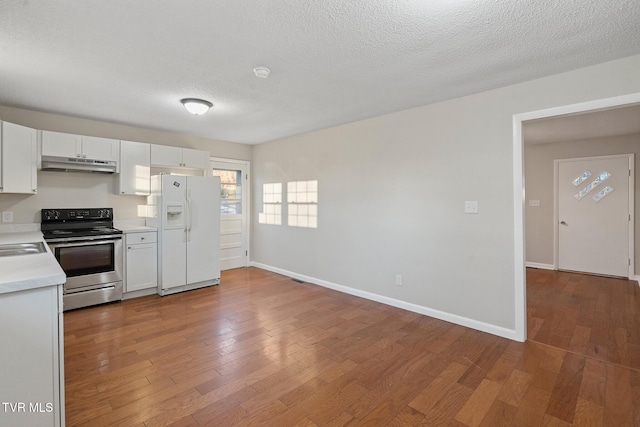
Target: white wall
[[539, 185], [68, 190], [392, 191]]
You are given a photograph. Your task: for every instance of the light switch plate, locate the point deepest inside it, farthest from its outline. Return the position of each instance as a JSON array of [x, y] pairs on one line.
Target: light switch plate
[[7, 216], [471, 207]]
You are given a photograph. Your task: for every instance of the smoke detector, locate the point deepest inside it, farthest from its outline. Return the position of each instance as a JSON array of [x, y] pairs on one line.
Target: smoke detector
[[262, 72]]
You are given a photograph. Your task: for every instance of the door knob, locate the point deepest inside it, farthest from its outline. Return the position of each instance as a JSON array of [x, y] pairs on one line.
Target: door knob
[[563, 223]]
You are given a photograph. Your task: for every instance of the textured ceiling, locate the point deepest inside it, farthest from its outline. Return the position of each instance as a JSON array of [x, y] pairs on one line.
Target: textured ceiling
[[331, 61]]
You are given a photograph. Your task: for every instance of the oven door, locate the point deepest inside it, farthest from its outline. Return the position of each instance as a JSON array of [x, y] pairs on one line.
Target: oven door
[[89, 263]]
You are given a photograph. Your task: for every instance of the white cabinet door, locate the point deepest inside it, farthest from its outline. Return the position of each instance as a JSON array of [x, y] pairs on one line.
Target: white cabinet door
[[100, 148], [31, 358], [164, 155], [196, 159], [142, 266], [18, 165], [61, 144], [135, 172]]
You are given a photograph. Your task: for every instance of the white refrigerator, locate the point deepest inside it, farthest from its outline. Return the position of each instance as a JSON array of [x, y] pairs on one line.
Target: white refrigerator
[[186, 212]]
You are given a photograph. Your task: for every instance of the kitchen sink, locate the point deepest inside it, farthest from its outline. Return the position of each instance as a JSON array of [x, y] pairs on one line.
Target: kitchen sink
[[14, 249]]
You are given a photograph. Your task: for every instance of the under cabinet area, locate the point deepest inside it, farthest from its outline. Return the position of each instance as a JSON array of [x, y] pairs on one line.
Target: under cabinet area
[[57, 144], [141, 262], [18, 159]]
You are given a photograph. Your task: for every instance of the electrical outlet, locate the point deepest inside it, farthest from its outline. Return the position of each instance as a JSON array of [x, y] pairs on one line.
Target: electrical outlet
[[398, 280], [535, 203], [7, 216]]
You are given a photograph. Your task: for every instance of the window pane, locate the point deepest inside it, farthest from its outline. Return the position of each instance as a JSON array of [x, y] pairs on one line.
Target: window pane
[[302, 197], [230, 191]]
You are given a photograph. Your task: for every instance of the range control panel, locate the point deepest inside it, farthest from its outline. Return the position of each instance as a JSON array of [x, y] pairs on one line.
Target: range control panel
[[63, 215]]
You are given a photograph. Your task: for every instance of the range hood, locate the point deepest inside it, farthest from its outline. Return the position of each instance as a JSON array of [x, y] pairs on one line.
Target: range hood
[[70, 164]]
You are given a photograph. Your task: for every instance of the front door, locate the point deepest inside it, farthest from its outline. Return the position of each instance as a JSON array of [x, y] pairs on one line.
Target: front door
[[233, 213], [593, 214]]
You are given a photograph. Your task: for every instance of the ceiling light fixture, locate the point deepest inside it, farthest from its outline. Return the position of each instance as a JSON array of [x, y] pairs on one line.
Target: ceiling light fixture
[[196, 106], [262, 72]]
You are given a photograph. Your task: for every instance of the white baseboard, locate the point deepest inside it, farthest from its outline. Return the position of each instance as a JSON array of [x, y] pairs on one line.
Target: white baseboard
[[540, 265], [551, 267], [447, 317]]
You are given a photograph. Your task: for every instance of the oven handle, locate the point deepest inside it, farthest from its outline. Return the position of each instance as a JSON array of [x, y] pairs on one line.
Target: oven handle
[[84, 242]]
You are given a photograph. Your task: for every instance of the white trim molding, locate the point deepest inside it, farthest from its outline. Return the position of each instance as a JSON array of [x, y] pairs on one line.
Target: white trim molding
[[540, 265], [437, 314], [520, 292]]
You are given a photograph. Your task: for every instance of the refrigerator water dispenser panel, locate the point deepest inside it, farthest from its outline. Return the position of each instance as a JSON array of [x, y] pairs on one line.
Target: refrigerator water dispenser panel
[[174, 216]]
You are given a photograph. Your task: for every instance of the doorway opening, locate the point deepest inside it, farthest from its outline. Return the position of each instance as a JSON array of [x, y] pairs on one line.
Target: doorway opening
[[520, 121]]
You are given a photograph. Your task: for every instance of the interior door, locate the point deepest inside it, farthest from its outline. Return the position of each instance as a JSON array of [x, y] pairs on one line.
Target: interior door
[[233, 213], [593, 214]]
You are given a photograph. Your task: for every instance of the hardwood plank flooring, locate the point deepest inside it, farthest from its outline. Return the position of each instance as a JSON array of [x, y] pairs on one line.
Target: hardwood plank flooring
[[261, 349], [589, 315]]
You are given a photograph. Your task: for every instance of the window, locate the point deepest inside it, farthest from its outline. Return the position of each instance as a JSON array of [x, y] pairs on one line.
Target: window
[[302, 198], [230, 191], [271, 204]]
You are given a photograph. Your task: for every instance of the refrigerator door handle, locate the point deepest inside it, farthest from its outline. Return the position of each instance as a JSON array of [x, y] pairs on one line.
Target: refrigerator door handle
[[189, 217]]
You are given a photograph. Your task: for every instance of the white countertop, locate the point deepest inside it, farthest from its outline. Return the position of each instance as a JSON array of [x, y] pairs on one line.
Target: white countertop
[[136, 228], [23, 272], [132, 225]]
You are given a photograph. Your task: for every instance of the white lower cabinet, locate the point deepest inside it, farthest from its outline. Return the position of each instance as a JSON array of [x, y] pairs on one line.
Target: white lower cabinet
[[32, 368], [141, 271]]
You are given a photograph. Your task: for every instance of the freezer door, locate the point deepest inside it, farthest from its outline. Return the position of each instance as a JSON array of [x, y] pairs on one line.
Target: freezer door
[[203, 228], [173, 259], [173, 189]]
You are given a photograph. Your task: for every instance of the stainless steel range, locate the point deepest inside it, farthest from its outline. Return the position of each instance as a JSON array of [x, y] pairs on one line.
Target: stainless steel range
[[89, 250]]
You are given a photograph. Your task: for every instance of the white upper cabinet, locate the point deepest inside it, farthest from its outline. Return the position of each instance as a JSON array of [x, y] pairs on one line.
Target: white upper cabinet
[[87, 147], [164, 155], [100, 148], [135, 172], [18, 159], [195, 159], [61, 144]]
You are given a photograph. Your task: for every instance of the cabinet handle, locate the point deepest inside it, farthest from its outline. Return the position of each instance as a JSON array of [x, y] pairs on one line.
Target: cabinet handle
[[142, 238], [129, 247], [77, 155]]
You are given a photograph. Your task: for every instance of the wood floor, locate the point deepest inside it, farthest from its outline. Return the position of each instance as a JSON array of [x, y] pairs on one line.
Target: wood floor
[[595, 316], [261, 349]]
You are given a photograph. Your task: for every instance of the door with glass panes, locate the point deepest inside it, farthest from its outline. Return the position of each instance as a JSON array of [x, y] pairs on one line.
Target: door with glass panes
[[233, 212]]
